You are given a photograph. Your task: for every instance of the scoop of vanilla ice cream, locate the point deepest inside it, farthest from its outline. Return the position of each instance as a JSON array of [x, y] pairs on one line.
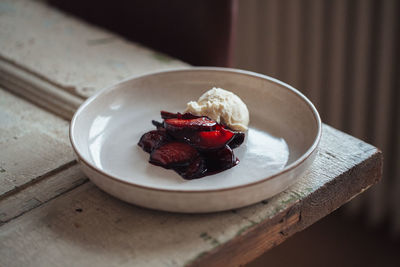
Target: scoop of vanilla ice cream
[[223, 107]]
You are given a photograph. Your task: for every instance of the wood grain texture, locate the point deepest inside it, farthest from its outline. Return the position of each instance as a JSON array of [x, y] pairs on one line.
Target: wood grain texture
[[29, 157], [37, 90], [32, 143], [36, 160], [75, 56], [53, 185], [88, 227]]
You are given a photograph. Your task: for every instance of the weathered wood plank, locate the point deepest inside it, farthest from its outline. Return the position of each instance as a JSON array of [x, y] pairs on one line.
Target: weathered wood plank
[[314, 197], [70, 54], [35, 195], [36, 159], [38, 90], [88, 227], [30, 156]]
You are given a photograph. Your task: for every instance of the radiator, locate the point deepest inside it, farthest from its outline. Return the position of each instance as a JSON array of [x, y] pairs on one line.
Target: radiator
[[345, 56]]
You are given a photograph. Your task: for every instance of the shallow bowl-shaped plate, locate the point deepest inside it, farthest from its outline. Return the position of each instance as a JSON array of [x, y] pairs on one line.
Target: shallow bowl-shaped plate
[[284, 133]]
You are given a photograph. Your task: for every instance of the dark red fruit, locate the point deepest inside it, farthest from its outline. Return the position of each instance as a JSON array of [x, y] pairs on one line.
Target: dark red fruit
[[220, 160], [197, 124], [186, 116], [173, 154], [212, 140], [193, 146], [237, 140], [196, 169], [151, 140], [168, 115], [159, 125]]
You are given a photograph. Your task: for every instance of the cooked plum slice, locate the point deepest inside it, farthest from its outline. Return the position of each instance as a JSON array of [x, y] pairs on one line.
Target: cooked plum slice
[[186, 116], [168, 115], [212, 140], [151, 140], [196, 169], [197, 124], [237, 140], [173, 154], [159, 125], [220, 160], [203, 133]]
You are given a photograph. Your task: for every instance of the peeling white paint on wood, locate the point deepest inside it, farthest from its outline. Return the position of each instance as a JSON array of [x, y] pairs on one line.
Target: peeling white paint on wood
[[77, 57], [32, 143], [37, 90], [38, 193]]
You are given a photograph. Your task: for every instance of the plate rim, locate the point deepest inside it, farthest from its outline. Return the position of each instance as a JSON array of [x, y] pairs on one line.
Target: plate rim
[[286, 169]]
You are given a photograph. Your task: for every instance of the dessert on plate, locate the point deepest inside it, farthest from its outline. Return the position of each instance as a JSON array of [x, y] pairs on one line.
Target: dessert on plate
[[200, 141]]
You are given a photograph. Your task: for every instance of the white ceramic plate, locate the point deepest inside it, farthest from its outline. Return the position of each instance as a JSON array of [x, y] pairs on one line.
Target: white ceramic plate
[[285, 129]]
